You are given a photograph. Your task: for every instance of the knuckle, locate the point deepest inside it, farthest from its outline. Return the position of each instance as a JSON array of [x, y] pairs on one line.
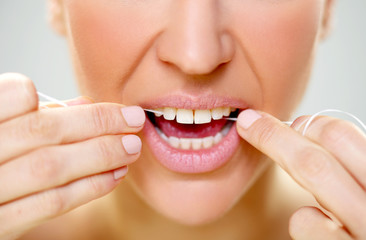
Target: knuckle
[[38, 126], [95, 186], [43, 165], [265, 133], [101, 119], [52, 203], [312, 165], [106, 151], [336, 132]]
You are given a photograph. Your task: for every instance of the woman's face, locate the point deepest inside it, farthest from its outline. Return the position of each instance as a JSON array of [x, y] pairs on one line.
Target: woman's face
[[196, 55]]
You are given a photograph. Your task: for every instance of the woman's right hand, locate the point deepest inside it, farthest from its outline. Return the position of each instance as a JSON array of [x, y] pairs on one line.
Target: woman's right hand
[[54, 160]]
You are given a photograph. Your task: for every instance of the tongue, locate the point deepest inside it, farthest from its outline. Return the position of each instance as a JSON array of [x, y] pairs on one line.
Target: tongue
[[172, 128]]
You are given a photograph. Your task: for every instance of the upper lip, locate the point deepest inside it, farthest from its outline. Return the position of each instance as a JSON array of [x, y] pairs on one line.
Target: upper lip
[[204, 101]]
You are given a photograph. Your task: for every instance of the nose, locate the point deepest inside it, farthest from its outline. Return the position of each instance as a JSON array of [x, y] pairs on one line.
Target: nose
[[194, 39]]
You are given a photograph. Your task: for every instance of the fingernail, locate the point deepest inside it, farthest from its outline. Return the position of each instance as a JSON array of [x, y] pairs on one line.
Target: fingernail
[[120, 173], [298, 124], [247, 118], [79, 101], [132, 144], [134, 116]]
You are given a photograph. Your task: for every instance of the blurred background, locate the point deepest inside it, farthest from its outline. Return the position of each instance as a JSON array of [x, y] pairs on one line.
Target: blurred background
[[29, 46]]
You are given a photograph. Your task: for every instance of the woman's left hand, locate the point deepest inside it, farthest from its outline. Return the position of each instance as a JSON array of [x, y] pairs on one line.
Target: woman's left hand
[[329, 161]]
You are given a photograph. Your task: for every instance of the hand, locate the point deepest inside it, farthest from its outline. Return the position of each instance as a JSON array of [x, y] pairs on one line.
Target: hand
[[329, 162], [54, 160]]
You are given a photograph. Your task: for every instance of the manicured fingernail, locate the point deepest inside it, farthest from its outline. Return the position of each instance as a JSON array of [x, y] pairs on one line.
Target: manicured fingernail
[[132, 144], [134, 116], [247, 118], [120, 173]]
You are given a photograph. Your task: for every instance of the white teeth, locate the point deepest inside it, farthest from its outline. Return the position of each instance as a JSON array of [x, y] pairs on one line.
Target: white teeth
[[202, 116], [185, 143], [159, 112], [164, 137], [195, 143], [217, 113], [185, 116], [217, 138], [208, 142], [169, 113], [226, 111], [174, 142]]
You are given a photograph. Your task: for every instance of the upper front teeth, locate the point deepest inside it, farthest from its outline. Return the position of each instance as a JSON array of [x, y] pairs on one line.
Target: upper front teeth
[[202, 116], [187, 116], [184, 116]]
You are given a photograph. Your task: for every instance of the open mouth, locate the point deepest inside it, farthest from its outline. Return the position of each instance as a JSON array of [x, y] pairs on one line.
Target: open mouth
[[192, 140], [192, 129]]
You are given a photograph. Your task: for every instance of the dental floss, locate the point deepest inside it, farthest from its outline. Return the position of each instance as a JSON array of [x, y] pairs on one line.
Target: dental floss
[[51, 99], [235, 119], [153, 111], [311, 119]]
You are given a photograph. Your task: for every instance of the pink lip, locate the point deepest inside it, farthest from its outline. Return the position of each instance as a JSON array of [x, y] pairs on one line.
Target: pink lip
[[203, 101], [193, 161]]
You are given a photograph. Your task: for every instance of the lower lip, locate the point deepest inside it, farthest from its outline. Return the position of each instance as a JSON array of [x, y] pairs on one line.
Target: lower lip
[[191, 161]]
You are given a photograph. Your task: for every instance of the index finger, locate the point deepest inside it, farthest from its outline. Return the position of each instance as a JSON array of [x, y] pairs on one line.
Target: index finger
[[308, 163], [66, 125]]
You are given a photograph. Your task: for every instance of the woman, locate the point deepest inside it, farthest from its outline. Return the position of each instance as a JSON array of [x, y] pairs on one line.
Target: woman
[[192, 174]]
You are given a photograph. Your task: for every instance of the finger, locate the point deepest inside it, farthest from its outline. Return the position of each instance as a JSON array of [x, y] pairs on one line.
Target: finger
[[73, 102], [342, 139], [66, 125], [25, 213], [309, 164], [57, 165], [311, 223], [17, 96]]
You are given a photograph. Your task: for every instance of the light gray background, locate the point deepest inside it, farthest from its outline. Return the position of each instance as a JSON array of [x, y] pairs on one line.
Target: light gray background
[[29, 46]]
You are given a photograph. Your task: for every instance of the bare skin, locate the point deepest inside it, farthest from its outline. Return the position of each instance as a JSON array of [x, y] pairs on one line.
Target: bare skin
[[131, 52]]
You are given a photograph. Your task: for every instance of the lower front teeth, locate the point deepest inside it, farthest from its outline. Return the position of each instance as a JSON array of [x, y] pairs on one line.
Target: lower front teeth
[[195, 143]]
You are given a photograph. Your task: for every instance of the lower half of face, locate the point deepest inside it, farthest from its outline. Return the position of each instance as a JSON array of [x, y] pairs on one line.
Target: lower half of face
[[196, 63]]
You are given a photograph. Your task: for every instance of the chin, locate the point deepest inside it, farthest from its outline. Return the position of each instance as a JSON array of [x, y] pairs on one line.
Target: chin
[[196, 199]]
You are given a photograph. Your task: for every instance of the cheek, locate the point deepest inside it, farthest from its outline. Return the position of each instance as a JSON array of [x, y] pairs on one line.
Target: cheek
[[279, 40], [105, 43]]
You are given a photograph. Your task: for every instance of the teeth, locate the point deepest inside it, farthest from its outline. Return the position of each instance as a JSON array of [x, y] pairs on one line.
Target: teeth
[[218, 138], [169, 113], [208, 142], [226, 112], [174, 142], [187, 116], [185, 143], [202, 116], [195, 143], [159, 112], [217, 113]]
